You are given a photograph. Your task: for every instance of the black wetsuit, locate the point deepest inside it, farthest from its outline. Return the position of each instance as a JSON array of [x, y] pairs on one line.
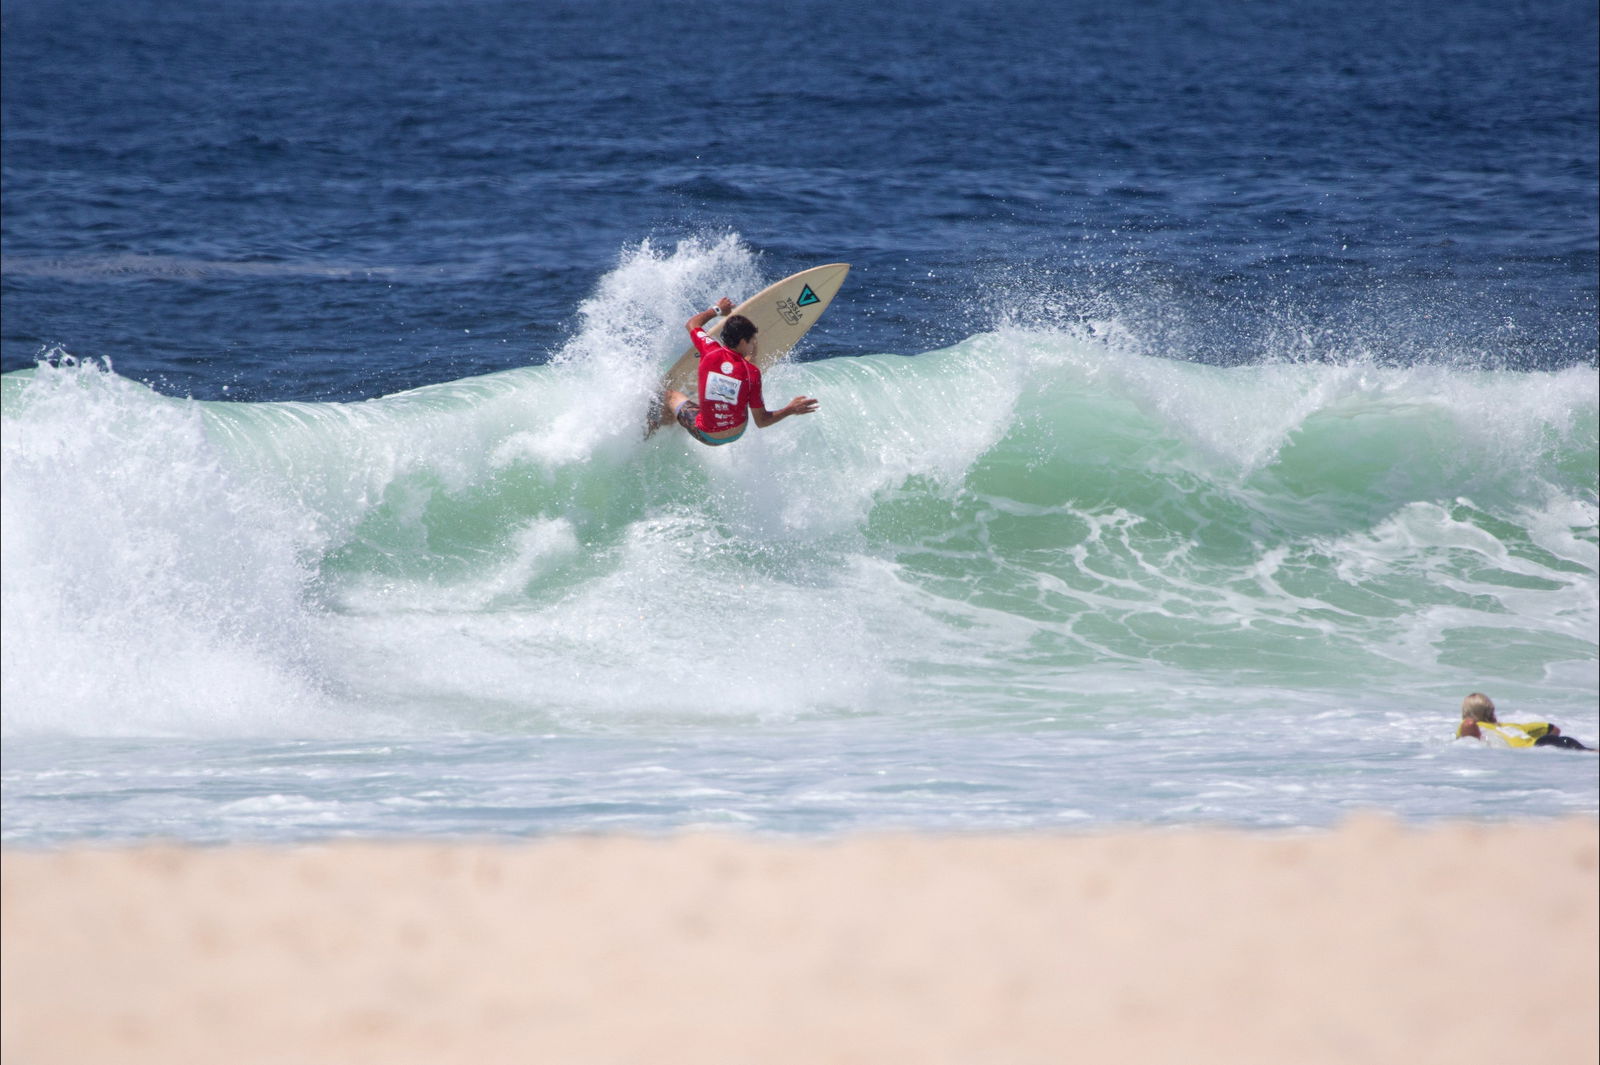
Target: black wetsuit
[[1568, 742]]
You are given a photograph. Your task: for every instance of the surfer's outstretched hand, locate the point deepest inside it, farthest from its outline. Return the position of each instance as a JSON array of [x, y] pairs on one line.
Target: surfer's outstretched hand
[[801, 405]]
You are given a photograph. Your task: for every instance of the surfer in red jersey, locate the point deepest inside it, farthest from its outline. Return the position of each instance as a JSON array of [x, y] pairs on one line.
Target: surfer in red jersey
[[730, 384]]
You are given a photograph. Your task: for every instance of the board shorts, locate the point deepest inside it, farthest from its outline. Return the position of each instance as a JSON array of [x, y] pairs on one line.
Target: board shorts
[[686, 415]]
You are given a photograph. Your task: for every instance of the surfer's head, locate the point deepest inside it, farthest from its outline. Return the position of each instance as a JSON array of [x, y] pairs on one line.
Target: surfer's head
[[1479, 707], [736, 330]]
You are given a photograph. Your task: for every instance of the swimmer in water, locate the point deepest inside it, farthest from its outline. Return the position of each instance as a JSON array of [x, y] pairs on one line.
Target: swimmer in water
[[1478, 722]]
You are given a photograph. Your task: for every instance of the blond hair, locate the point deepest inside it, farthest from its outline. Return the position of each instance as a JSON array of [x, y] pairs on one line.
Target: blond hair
[[1478, 706]]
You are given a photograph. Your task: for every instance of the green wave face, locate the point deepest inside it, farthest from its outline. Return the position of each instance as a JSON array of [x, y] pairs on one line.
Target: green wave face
[[1025, 523]]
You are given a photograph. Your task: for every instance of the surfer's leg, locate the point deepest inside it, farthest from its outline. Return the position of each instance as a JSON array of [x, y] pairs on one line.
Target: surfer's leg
[[663, 408], [683, 409], [685, 414]]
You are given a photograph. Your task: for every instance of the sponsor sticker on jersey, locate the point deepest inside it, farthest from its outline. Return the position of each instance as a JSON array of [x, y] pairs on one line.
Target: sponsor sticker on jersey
[[721, 388]]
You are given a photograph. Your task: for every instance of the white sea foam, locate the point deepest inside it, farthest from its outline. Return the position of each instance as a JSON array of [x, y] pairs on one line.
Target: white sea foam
[[147, 588], [1031, 524]]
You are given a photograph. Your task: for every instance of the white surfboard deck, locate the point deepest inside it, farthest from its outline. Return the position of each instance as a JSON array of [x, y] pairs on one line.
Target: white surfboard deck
[[782, 314]]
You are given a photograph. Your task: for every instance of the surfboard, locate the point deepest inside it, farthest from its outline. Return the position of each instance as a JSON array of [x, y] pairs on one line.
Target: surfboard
[[782, 314]]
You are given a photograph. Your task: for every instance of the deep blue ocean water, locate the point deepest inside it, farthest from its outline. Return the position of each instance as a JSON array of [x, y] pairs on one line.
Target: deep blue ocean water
[[1211, 405]]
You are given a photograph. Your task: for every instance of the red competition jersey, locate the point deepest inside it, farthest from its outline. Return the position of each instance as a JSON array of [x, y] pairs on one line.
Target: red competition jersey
[[729, 385]]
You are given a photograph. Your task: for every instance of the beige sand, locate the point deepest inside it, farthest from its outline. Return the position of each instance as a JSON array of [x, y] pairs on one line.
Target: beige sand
[[1372, 943]]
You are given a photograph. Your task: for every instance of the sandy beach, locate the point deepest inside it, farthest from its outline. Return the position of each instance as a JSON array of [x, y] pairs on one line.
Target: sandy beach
[[1370, 943]]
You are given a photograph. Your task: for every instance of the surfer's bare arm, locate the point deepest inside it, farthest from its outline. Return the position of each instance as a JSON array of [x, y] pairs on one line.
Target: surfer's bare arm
[[799, 405], [721, 307]]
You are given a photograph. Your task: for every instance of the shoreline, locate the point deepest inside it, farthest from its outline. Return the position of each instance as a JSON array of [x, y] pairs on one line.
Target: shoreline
[[1371, 941]]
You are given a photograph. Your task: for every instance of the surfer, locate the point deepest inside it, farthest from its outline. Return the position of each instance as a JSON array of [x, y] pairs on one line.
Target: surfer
[[1477, 718], [730, 384]]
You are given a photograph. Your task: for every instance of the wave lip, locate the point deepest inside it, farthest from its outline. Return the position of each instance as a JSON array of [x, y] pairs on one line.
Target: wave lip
[[1015, 525]]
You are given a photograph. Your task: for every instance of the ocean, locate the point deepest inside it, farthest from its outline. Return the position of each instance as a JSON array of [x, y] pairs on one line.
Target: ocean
[[1212, 404]]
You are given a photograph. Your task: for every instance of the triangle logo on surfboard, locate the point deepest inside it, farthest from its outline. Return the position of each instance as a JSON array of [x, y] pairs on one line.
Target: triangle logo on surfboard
[[807, 297]]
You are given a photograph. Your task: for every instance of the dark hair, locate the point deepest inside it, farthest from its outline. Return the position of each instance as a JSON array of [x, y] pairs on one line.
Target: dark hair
[[737, 330]]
